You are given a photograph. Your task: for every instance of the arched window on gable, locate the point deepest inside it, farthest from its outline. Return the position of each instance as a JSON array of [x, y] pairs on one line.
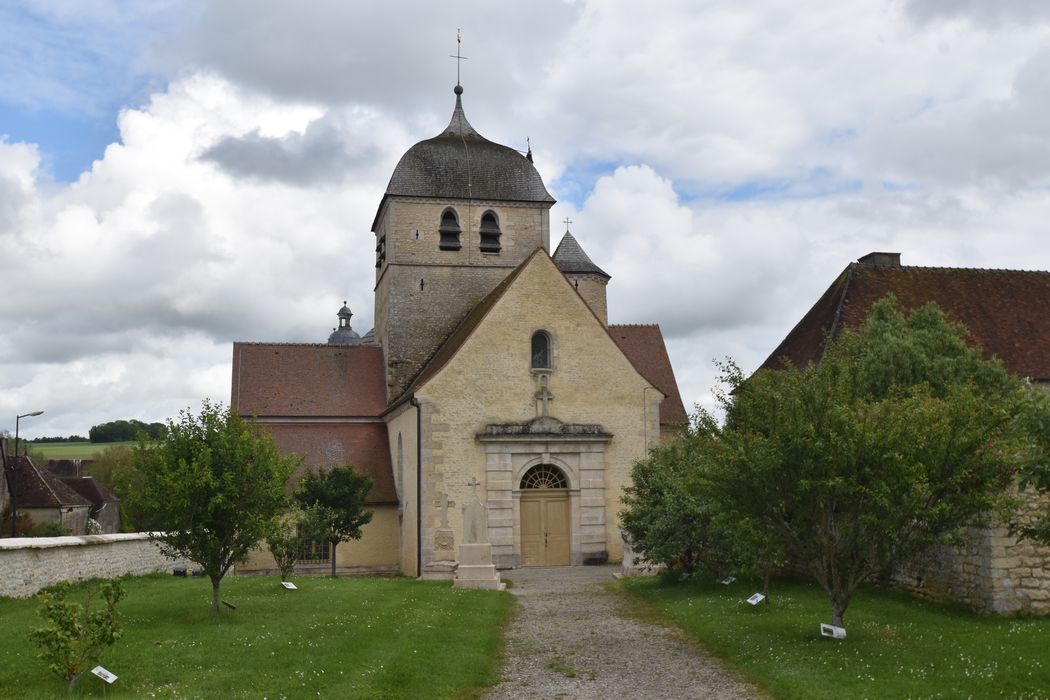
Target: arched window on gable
[[541, 350], [449, 230], [490, 233]]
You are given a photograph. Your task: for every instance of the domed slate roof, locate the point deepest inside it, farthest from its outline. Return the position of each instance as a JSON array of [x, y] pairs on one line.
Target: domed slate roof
[[460, 163]]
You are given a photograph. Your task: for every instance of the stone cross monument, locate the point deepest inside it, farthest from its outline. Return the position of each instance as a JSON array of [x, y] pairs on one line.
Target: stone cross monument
[[443, 564], [476, 569]]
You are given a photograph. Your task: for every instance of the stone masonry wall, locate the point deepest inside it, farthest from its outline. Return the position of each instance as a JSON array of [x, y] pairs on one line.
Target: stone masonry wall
[[412, 321], [28, 564], [592, 289], [991, 571]]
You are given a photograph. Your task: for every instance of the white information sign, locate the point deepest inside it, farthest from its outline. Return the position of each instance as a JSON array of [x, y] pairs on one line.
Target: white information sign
[[756, 599], [727, 580], [289, 585], [832, 631], [104, 674]]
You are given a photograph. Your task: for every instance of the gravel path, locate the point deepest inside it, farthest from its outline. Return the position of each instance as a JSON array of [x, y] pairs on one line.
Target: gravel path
[[570, 640]]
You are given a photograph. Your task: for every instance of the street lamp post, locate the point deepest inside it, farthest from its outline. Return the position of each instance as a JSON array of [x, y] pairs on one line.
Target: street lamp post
[[14, 474]]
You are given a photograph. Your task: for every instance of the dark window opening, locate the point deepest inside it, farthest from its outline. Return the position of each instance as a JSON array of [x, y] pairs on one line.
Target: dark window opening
[[490, 233], [541, 350], [449, 231], [381, 251]]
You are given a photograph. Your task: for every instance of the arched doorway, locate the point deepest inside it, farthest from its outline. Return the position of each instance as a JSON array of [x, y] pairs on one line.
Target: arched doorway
[[545, 513]]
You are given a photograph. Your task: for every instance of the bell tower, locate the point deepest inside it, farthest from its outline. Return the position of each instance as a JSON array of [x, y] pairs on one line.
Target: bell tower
[[459, 214]]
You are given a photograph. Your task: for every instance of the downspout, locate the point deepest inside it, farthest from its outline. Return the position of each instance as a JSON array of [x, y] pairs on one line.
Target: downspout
[[419, 485]]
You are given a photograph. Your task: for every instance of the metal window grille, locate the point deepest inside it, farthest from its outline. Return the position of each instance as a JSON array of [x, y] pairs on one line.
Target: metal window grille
[[544, 476]]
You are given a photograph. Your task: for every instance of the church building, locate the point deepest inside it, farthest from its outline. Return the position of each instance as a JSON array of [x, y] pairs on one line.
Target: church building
[[492, 369]]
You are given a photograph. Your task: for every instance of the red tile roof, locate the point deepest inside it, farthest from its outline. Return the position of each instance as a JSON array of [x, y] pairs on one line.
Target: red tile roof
[[284, 379], [37, 488], [1007, 312], [644, 347], [363, 446], [91, 489]]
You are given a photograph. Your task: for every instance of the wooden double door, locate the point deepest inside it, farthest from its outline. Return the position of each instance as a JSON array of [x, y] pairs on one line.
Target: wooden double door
[[545, 530]]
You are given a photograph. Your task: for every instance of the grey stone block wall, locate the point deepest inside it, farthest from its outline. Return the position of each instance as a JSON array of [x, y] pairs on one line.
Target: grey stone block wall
[[991, 571], [28, 564]]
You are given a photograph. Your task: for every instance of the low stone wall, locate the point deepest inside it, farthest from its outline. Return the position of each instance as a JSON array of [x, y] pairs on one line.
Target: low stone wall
[[991, 571], [28, 564]]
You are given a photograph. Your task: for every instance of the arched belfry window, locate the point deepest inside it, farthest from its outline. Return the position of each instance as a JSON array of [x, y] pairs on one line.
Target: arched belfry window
[[541, 350], [490, 233], [449, 230], [544, 476]]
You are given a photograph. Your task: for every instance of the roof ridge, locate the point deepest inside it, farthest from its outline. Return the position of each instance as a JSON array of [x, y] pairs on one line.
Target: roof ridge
[[948, 268], [307, 345], [634, 325]]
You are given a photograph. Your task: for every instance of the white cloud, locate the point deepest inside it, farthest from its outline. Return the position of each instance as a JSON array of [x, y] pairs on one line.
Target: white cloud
[[723, 162]]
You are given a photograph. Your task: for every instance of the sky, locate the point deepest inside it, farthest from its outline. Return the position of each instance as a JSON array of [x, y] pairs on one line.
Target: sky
[[179, 174]]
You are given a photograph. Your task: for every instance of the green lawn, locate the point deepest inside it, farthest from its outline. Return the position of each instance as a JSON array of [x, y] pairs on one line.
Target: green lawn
[[73, 450], [341, 638], [896, 646]]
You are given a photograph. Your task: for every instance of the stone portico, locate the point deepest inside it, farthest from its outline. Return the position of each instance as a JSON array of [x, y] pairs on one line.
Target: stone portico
[[578, 451]]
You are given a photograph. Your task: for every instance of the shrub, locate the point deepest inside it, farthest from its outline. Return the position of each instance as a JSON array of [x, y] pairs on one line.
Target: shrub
[[77, 634]]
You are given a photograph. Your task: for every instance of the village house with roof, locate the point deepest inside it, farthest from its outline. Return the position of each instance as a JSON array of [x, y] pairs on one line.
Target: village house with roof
[[492, 366], [1005, 313]]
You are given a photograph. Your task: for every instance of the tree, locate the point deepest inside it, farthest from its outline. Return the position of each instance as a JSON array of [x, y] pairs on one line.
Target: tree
[[1034, 472], [76, 634], [216, 484], [285, 543], [900, 436], [667, 519], [334, 503]]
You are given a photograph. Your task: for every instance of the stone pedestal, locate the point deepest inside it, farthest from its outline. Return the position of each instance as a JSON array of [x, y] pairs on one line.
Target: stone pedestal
[[439, 571], [476, 569]]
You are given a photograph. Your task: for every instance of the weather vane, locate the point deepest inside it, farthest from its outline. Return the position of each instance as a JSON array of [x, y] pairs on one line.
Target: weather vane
[[458, 57]]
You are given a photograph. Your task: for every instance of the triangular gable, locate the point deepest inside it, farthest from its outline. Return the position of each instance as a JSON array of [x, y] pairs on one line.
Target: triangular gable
[[472, 321]]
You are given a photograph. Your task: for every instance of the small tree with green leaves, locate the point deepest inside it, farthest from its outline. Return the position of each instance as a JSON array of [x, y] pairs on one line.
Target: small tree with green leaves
[[667, 519], [901, 435], [285, 542], [76, 634], [334, 505], [216, 484]]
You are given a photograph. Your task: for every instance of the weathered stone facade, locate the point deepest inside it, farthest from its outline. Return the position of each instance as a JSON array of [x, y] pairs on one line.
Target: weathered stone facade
[[422, 291], [592, 289], [592, 383], [990, 571], [29, 564]]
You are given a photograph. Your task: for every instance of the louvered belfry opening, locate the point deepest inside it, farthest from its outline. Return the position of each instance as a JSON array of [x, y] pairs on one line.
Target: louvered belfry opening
[[544, 476], [449, 231], [490, 233]]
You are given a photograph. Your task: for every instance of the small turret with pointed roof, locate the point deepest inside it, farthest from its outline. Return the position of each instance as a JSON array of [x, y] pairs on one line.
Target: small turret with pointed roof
[[570, 258], [588, 279]]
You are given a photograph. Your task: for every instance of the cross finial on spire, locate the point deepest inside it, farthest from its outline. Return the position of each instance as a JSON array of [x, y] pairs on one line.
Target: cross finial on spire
[[459, 59], [567, 222]]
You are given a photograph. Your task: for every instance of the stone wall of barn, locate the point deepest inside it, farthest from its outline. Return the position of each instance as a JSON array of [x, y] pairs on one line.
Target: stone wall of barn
[[990, 571]]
